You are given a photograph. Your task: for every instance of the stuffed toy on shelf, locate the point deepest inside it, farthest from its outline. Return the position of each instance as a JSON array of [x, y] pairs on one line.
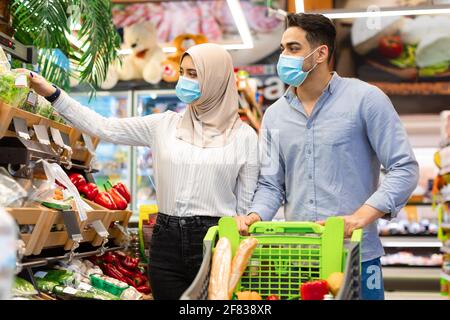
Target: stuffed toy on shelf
[[145, 60]]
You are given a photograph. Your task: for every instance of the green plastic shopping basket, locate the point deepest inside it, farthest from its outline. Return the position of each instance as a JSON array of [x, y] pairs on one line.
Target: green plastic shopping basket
[[287, 254]]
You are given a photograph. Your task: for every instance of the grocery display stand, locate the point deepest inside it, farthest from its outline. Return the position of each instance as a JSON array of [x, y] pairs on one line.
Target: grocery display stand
[[27, 138], [287, 254]]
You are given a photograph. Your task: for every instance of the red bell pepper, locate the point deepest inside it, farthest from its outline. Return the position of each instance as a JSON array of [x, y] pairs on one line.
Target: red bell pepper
[[120, 201], [104, 199], [273, 297], [123, 190], [110, 258], [125, 272], [139, 280], [90, 190], [77, 179], [314, 290], [144, 289], [130, 263], [112, 272]]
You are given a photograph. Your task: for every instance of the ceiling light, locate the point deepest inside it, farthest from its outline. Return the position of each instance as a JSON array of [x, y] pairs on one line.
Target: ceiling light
[[374, 11]]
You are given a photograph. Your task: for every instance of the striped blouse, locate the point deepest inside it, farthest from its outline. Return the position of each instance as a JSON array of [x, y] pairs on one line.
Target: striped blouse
[[189, 180]]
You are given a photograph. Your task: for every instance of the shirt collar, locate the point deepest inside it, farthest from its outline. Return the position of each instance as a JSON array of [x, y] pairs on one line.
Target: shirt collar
[[331, 86]]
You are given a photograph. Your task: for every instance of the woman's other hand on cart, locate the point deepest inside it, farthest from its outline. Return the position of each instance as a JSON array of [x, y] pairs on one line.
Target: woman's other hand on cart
[[38, 83], [359, 220], [244, 222]]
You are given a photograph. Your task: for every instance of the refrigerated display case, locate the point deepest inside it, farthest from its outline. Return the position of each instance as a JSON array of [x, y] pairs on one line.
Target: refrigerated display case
[[113, 161], [145, 103]]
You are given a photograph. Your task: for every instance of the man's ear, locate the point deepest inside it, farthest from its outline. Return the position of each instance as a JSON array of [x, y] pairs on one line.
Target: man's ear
[[323, 53]]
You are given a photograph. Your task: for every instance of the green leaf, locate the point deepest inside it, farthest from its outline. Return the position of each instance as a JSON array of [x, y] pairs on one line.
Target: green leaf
[[45, 24]]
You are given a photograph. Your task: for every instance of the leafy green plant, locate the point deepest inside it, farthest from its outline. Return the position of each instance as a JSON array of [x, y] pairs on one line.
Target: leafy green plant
[[85, 54]]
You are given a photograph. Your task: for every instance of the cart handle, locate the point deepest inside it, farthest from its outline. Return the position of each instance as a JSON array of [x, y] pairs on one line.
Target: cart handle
[[286, 227], [357, 235], [210, 238]]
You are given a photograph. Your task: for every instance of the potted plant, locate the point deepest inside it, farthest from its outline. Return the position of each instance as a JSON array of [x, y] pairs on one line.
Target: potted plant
[[75, 38]]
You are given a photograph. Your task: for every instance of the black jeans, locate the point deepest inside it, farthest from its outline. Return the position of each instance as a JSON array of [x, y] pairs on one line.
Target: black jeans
[[176, 253]]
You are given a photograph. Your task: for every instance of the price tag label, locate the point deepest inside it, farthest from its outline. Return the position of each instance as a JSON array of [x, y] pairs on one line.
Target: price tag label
[[70, 290], [41, 134], [57, 138], [21, 81], [100, 228], [20, 126], [65, 138], [84, 286], [40, 274], [72, 226], [88, 142]]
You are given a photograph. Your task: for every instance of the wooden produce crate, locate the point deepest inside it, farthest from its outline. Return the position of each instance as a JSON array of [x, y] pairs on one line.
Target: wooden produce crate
[[123, 218], [41, 218], [80, 152], [61, 238], [112, 216], [7, 113]]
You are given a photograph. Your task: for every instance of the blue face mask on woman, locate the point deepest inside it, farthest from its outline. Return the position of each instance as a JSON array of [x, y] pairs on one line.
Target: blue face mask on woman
[[187, 90], [290, 69]]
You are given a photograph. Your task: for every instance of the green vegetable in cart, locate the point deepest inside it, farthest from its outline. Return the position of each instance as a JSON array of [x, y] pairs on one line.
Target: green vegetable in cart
[[314, 290], [22, 287]]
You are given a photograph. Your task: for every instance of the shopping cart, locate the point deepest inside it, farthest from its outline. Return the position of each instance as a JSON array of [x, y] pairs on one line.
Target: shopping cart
[[287, 254]]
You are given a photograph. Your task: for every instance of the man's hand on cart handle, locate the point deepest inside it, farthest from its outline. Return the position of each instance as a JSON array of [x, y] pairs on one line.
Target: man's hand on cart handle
[[38, 83], [360, 219], [244, 222]]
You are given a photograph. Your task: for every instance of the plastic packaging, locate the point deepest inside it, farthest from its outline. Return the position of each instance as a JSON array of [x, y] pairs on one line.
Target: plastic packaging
[[8, 242], [11, 193], [54, 172]]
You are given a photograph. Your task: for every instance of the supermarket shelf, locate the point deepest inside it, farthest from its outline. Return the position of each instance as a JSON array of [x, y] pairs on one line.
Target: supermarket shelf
[[445, 250], [45, 261], [418, 295], [425, 204], [428, 273], [445, 276], [445, 226], [411, 242], [409, 266]]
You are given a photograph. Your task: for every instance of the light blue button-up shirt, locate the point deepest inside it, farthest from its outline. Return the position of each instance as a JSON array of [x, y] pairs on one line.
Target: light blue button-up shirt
[[328, 163]]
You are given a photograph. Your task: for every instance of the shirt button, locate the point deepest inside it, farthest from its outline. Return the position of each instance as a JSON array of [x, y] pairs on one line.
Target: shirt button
[[311, 201], [309, 151], [310, 176], [182, 222]]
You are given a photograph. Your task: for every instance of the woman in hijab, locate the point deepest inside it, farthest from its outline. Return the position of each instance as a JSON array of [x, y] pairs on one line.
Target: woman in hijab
[[205, 161]]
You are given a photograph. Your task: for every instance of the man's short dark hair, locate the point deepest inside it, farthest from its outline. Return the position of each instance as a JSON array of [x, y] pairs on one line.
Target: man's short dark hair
[[319, 29]]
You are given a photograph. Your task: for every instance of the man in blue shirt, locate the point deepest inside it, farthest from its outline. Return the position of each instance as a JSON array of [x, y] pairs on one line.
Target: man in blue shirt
[[324, 141]]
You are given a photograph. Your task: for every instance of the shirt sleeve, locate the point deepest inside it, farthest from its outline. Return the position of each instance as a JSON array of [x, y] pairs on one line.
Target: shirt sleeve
[[136, 131], [270, 191], [248, 175], [390, 142]]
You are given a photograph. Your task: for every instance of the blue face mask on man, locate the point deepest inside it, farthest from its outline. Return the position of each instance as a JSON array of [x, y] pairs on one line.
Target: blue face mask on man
[[290, 69], [187, 90]]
